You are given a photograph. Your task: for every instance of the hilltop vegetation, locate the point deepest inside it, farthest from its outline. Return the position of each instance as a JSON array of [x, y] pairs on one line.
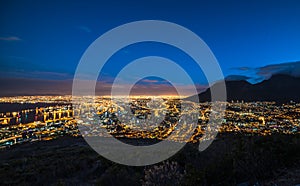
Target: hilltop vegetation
[[231, 159]]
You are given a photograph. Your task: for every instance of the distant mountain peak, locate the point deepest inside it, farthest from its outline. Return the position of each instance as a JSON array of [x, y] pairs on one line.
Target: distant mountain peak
[[259, 74], [280, 88]]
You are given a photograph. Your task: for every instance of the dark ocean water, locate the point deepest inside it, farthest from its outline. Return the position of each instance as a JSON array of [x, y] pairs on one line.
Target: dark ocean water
[[15, 107]]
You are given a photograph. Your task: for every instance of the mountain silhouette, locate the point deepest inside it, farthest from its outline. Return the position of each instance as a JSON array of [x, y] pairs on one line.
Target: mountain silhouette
[[279, 88]]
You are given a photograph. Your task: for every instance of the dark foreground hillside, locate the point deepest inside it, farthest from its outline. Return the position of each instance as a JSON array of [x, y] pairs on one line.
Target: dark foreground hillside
[[232, 159]]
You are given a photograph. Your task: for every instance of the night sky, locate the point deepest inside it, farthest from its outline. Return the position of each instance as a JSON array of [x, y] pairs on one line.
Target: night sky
[[41, 42]]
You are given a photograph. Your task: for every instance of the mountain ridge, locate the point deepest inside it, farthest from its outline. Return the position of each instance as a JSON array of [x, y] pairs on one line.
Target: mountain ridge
[[280, 88]]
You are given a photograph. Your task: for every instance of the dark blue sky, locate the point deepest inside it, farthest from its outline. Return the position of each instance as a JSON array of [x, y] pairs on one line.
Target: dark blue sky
[[45, 39]]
